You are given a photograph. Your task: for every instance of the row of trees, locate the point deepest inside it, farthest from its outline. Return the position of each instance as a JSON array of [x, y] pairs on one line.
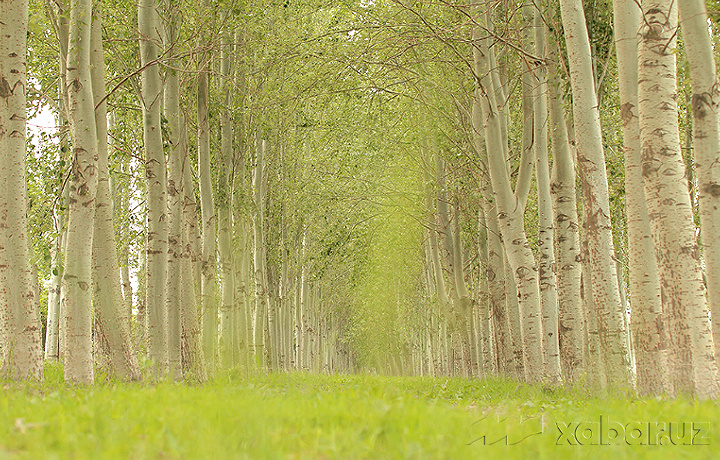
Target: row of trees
[[364, 185]]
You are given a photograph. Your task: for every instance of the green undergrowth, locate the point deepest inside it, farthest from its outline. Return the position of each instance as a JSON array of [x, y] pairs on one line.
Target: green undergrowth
[[241, 415]]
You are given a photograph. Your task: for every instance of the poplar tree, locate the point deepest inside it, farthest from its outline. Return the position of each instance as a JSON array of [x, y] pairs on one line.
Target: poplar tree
[[603, 280], [77, 275], [691, 358], [20, 343], [150, 29]]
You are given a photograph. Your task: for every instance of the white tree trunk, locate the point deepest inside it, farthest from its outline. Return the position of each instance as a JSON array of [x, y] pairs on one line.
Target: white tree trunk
[[243, 257], [224, 206], [510, 216], [546, 263], [645, 303], [571, 319], [21, 345], [192, 352], [706, 136], [52, 331], [262, 301], [111, 316], [76, 286], [53, 334], [494, 309], [175, 198], [609, 310], [691, 357], [155, 171], [121, 210], [207, 205]]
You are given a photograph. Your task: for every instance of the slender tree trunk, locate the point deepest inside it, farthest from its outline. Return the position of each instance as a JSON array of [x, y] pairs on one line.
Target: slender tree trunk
[[243, 257], [175, 195], [494, 271], [546, 264], [706, 136], [512, 307], [120, 189], [262, 307], [691, 358], [463, 303], [645, 302], [110, 312], [301, 311], [596, 203], [596, 379], [207, 204], [487, 359], [510, 217], [497, 306], [444, 230], [224, 206], [193, 362], [53, 334], [52, 331], [21, 344], [76, 286], [155, 172], [571, 319]]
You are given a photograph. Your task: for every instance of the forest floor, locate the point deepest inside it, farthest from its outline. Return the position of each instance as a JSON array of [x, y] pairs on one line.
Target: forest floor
[[293, 415]]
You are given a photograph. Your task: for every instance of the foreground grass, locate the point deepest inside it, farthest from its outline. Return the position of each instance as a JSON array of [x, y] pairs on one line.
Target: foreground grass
[[313, 416]]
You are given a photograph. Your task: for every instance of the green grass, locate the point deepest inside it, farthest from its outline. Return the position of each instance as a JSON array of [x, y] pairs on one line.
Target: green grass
[[314, 416]]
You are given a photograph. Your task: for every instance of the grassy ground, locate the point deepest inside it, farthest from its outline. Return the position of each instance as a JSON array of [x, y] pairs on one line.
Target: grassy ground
[[314, 417]]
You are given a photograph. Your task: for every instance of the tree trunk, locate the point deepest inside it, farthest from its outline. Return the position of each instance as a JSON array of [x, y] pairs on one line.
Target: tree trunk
[[262, 307], [53, 350], [691, 358], [21, 344], [57, 251], [207, 204], [495, 306], [193, 362], [546, 264], [510, 217], [571, 319], [175, 195], [111, 316], [706, 136], [76, 286], [120, 190], [224, 206], [645, 303], [596, 203], [155, 172]]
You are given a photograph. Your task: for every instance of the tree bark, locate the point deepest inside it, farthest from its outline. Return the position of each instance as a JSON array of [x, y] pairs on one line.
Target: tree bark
[[691, 358], [21, 344], [76, 286], [262, 301], [155, 173], [192, 348], [546, 263], [111, 316], [609, 310], [207, 205], [706, 136], [224, 206], [571, 319], [175, 196], [520, 257], [645, 303]]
